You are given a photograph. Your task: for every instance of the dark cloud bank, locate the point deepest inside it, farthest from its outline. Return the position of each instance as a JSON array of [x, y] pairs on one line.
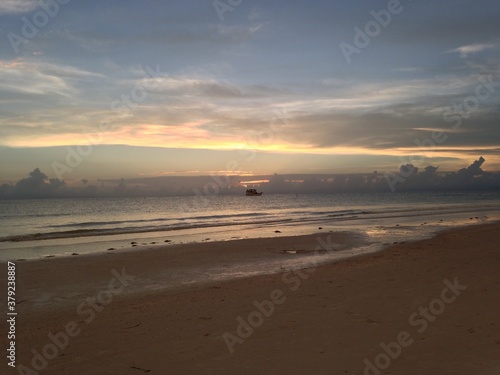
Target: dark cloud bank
[[408, 178]]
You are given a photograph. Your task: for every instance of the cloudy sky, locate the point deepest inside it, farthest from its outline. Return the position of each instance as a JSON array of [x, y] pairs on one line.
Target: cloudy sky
[[128, 88]]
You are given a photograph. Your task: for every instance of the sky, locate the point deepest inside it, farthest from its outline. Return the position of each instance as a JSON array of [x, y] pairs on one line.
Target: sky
[[137, 89]]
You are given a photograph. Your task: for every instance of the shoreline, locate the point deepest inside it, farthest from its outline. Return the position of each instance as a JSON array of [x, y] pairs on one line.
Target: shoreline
[[178, 267], [385, 229], [221, 261], [328, 319]]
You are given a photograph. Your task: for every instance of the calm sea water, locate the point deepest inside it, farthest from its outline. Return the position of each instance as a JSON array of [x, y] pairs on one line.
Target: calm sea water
[[35, 222], [53, 218]]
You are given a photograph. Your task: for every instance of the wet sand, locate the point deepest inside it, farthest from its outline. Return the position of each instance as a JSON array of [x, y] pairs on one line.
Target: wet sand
[[428, 307]]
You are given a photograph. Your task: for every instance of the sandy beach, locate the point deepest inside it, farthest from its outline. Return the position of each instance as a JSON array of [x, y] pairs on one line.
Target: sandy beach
[[425, 307]]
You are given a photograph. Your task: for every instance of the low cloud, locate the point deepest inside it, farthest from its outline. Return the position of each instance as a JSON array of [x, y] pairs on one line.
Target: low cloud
[[36, 185], [464, 51], [17, 6], [472, 178]]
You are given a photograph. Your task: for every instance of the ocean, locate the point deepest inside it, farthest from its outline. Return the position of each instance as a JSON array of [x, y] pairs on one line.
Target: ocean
[[56, 227]]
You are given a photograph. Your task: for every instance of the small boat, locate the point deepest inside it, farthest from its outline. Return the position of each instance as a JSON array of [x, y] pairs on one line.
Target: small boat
[[252, 192]]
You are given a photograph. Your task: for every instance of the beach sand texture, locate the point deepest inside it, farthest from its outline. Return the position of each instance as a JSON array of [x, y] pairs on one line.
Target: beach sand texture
[[433, 305]]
